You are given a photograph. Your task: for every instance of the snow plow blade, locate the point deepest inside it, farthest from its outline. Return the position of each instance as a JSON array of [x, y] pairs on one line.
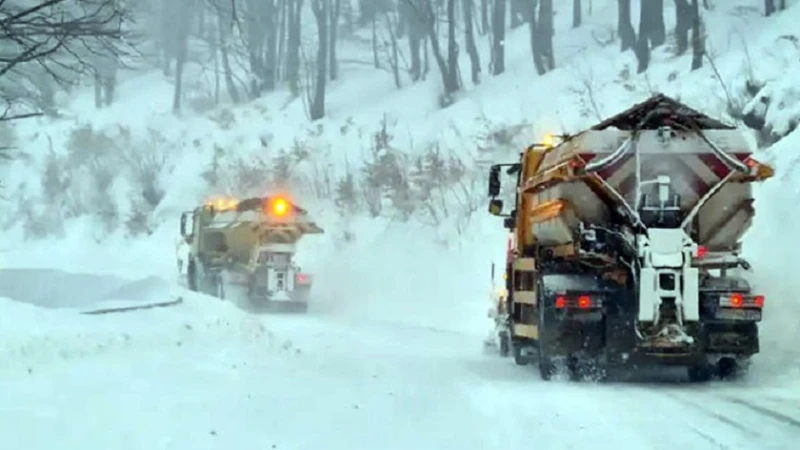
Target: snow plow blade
[[134, 307]]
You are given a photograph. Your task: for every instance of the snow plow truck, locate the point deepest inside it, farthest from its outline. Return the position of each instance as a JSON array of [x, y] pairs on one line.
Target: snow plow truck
[[251, 244], [624, 246]]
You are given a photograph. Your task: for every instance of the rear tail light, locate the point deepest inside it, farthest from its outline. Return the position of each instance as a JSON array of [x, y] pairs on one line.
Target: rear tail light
[[702, 251], [739, 300], [577, 301], [303, 278]]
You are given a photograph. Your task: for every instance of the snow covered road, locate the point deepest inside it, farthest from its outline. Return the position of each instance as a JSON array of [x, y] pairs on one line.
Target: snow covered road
[[205, 375]]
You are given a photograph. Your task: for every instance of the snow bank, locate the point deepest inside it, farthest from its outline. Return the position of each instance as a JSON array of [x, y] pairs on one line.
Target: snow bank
[[773, 245]]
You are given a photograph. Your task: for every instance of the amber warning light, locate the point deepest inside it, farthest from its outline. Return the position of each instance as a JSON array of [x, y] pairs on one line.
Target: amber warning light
[[280, 207]]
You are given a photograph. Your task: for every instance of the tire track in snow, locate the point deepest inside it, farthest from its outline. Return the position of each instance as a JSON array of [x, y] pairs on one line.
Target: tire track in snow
[[776, 415], [719, 417]]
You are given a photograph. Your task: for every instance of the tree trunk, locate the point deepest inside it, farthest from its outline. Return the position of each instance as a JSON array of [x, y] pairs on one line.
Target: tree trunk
[[576, 13], [651, 22], [498, 61], [536, 42], [281, 41], [181, 54], [334, 36], [484, 16], [375, 60], [321, 10], [545, 33], [683, 23], [658, 36], [698, 42], [271, 63], [642, 49], [416, 32], [395, 59], [472, 49], [293, 46], [769, 7], [452, 49], [627, 36]]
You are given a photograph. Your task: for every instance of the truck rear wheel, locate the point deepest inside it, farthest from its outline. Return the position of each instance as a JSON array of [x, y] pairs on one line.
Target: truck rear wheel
[[519, 359]]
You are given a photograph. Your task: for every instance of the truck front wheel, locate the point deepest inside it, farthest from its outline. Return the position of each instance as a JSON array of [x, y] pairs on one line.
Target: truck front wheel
[[191, 275]]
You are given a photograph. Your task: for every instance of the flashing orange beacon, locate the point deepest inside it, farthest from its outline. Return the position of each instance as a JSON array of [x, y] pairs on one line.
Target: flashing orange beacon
[[280, 207]]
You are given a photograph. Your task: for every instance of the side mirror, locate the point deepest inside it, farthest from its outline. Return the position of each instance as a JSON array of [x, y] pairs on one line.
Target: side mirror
[[495, 207], [494, 181]]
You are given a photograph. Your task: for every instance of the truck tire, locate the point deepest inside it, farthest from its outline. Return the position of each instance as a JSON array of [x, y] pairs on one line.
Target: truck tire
[[219, 287], [700, 373], [729, 368], [191, 275], [518, 358], [546, 366], [505, 346]]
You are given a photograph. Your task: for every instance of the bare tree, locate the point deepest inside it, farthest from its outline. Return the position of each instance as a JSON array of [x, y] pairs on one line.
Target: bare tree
[[627, 36], [698, 41], [416, 33], [394, 51], [52, 35], [576, 13], [293, 42], [683, 23], [333, 37], [498, 61], [484, 16], [181, 47], [321, 10], [469, 35], [541, 34], [448, 68], [769, 7], [258, 23], [651, 22], [642, 49]]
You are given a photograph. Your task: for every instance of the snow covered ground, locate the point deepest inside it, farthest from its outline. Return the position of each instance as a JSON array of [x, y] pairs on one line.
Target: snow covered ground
[[390, 356], [205, 375]]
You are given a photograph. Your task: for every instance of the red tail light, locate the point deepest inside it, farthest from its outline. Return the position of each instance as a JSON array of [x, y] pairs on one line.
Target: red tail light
[[759, 301], [737, 300], [584, 302], [302, 278], [561, 302], [702, 251]]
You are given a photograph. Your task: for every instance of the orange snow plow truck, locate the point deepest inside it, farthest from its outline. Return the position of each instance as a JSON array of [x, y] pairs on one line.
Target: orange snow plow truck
[[624, 246]]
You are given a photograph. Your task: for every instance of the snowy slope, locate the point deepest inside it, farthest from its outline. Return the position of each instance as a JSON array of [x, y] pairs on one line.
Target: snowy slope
[[390, 356]]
